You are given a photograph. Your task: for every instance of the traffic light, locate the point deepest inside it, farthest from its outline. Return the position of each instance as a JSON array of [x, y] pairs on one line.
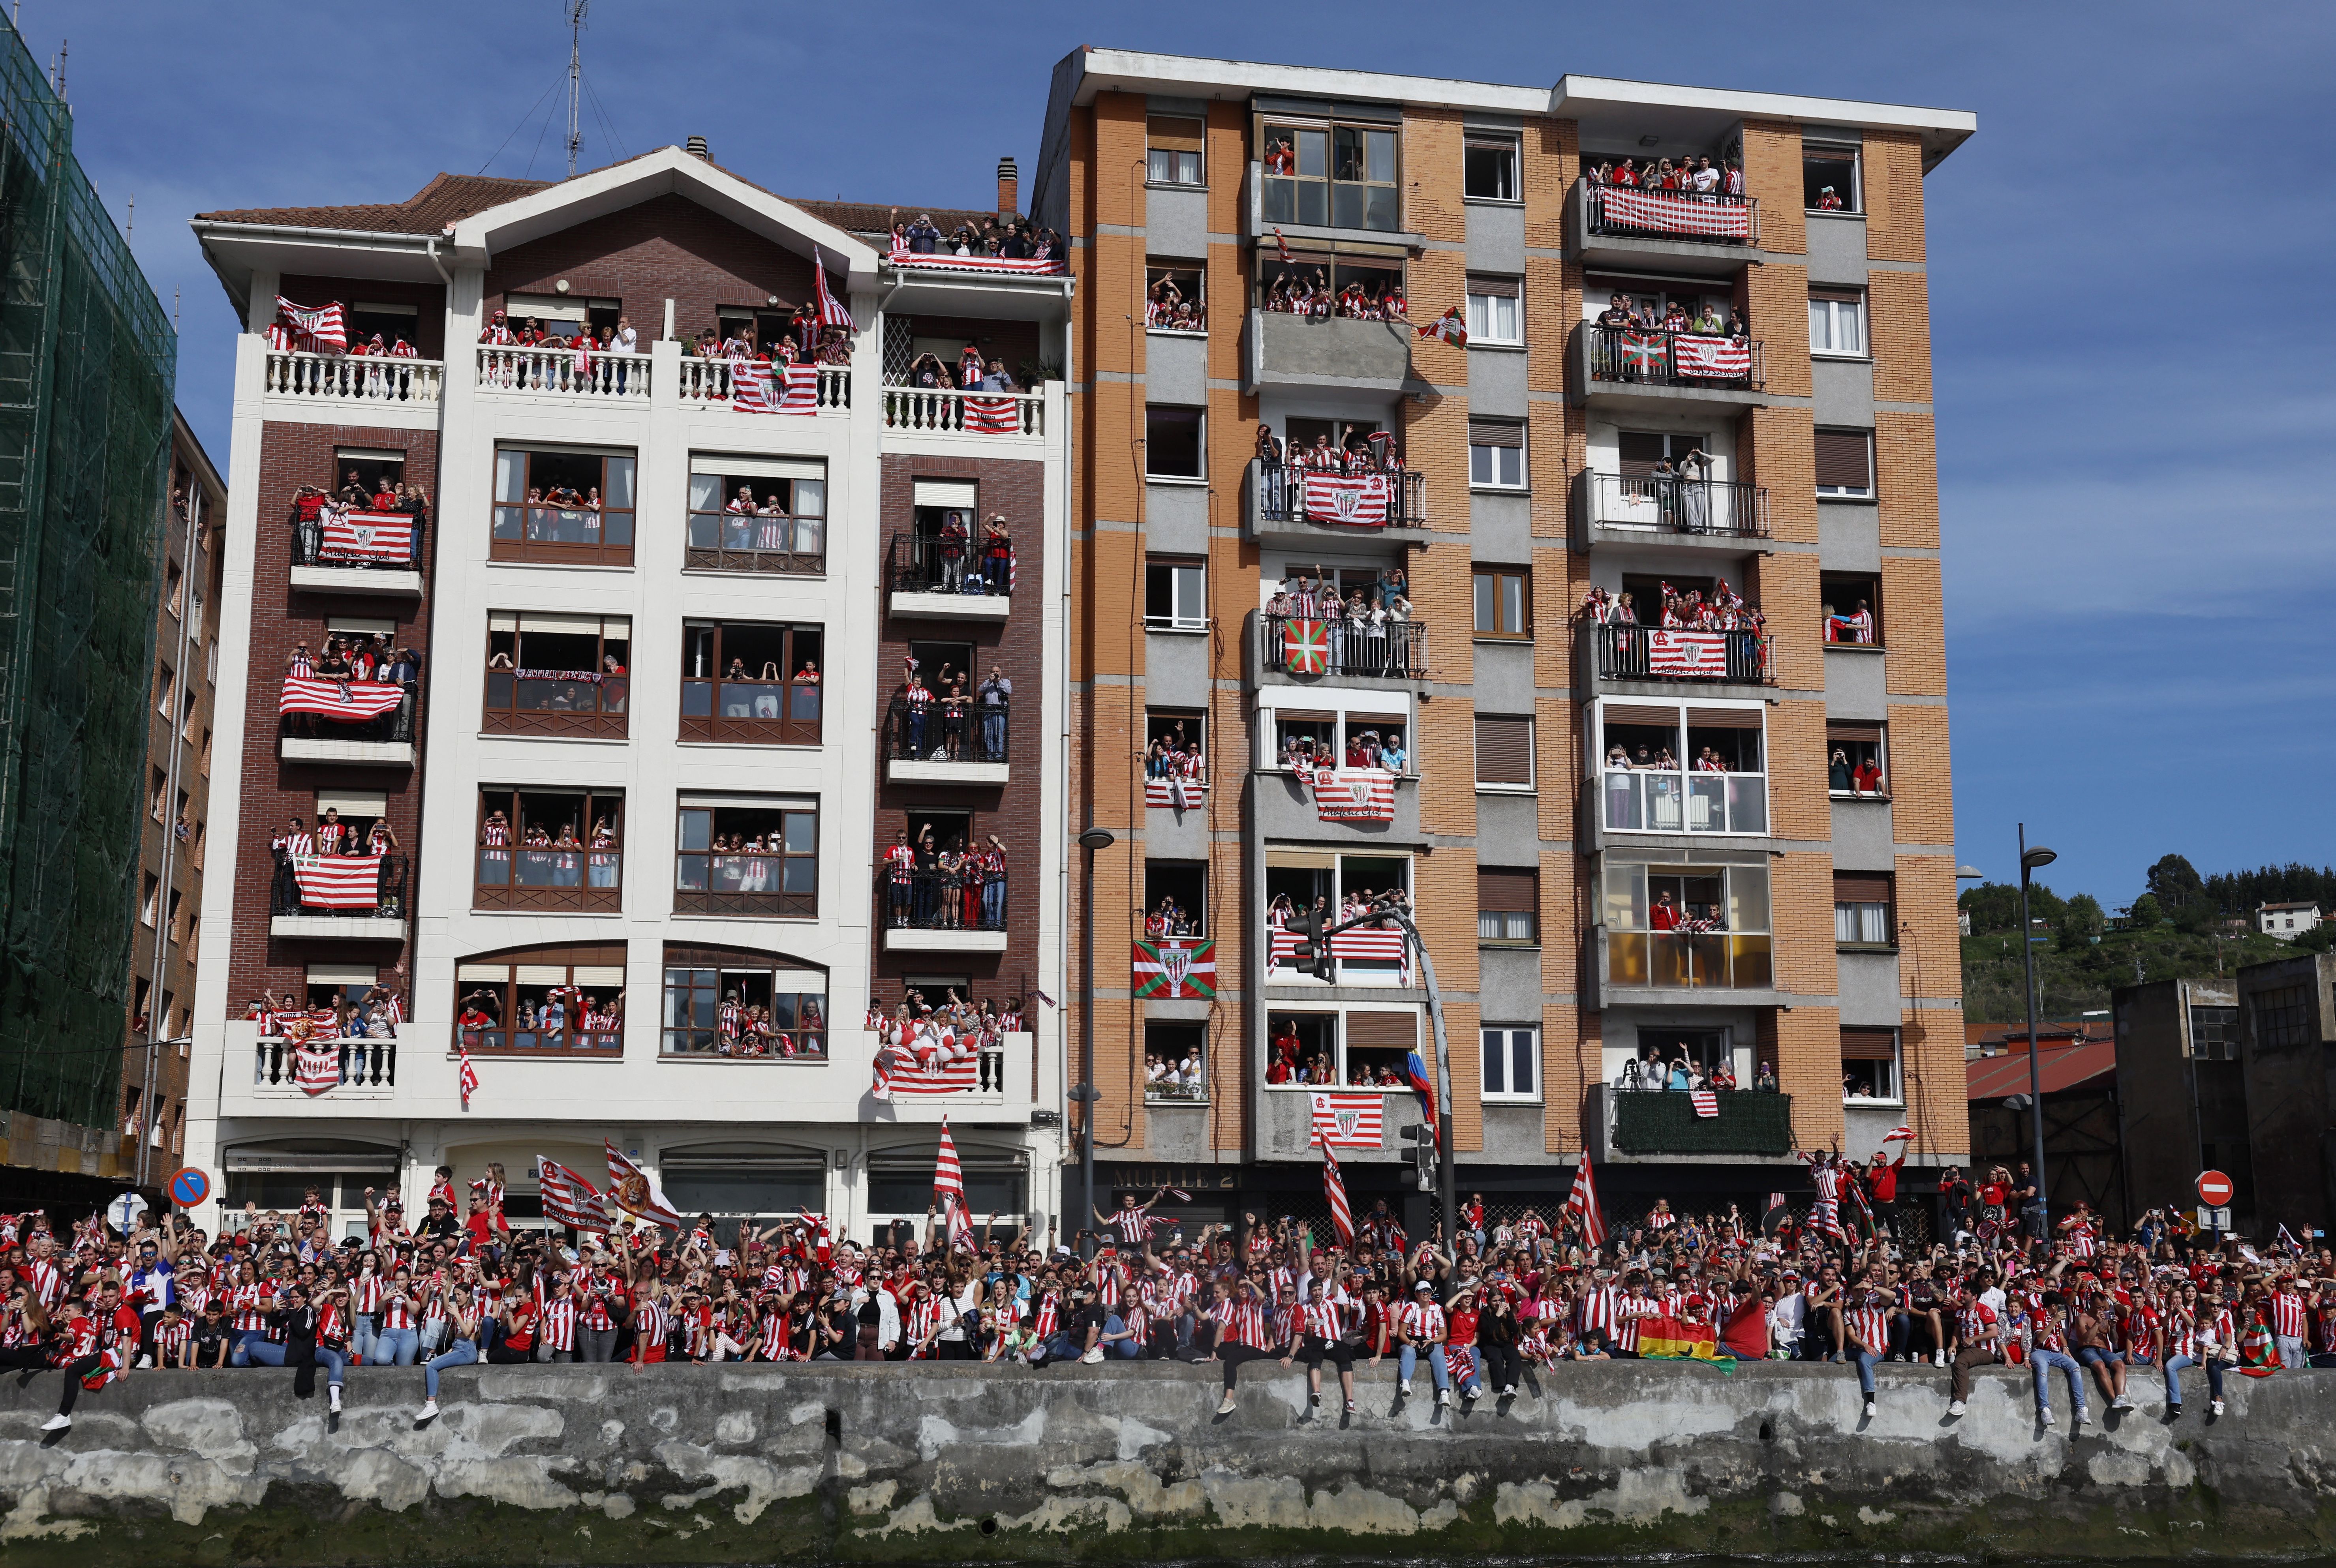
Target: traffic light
[[1316, 948], [1422, 1138]]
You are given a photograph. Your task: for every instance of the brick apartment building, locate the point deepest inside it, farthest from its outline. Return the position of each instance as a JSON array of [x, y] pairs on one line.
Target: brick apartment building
[[1786, 907], [707, 699]]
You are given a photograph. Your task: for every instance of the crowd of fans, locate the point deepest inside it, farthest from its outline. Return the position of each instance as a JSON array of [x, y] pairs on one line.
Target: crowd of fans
[[1294, 294], [1015, 239], [1305, 753], [1840, 1283], [1722, 610], [944, 722], [972, 372], [1167, 1076], [1165, 309], [373, 1014], [1695, 175], [1651, 315], [931, 886], [1364, 453], [331, 837], [1175, 755]]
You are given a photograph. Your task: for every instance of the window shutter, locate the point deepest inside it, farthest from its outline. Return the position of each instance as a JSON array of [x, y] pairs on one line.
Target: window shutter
[[1180, 135], [1850, 887], [1503, 751], [1506, 891], [1863, 733], [1496, 433], [1869, 1045], [1498, 287], [1641, 452], [1385, 1031], [1838, 295], [1842, 459]]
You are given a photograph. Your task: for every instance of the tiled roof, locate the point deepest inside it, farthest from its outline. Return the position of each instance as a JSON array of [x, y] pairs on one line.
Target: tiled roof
[[2063, 1066], [449, 199], [875, 217]]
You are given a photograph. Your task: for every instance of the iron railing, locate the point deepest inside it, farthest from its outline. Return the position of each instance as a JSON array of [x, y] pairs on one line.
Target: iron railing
[[397, 724], [1656, 653], [1700, 217], [1393, 650], [1685, 359], [284, 895], [940, 731], [921, 564], [1664, 1121], [1689, 959], [501, 1041], [1647, 800], [310, 548], [727, 541], [726, 882], [941, 900], [1672, 504], [1278, 495]]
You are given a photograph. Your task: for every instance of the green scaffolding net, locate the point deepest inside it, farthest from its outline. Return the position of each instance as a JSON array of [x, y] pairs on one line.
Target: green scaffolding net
[[87, 360]]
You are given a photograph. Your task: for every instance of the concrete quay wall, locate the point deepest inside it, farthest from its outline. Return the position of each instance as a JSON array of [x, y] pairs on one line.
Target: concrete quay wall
[[949, 1463]]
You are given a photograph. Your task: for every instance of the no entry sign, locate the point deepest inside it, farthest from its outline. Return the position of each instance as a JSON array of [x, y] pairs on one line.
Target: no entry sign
[[2214, 1188]]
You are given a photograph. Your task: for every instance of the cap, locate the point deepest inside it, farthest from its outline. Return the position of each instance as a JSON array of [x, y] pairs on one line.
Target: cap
[[1422, 1285]]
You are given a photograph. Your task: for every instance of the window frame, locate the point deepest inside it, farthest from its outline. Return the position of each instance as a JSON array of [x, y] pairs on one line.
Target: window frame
[[1508, 1035], [1156, 271], [1831, 587], [781, 903], [1169, 865], [1475, 141], [1531, 937], [1854, 153], [1726, 802], [1200, 417], [1481, 332], [1834, 304], [1523, 577], [1271, 186], [1155, 141], [1897, 1070], [716, 726], [1837, 736], [749, 559], [1844, 492], [603, 720], [1758, 959], [1183, 1027], [600, 1045], [1339, 1012], [724, 961], [589, 894], [1277, 973], [1177, 620], [514, 546], [1342, 708], [1533, 759], [1852, 913], [1523, 481]]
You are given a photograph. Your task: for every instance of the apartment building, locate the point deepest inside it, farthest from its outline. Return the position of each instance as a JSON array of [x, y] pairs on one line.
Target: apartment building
[[613, 790], [174, 836], [1728, 840]]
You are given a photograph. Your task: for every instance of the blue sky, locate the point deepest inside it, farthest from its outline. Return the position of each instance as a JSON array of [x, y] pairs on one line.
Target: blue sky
[[2126, 317]]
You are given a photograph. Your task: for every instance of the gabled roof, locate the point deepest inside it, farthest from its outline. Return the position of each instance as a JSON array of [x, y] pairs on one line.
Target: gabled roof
[[446, 199]]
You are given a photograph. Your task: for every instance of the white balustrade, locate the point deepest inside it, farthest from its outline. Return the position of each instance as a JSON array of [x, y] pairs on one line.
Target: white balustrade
[[707, 381], [353, 378], [965, 413], [563, 372]]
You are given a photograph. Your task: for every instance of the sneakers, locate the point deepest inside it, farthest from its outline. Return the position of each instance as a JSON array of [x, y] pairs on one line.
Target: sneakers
[[1938, 1359], [56, 1423], [2121, 1403], [1353, 1408], [1227, 1408], [333, 1394], [2077, 1423], [1869, 1410], [1954, 1407], [1314, 1398], [1442, 1398], [2045, 1415], [2215, 1408], [1508, 1390], [2173, 1412], [145, 1363], [1092, 1358], [1403, 1387], [429, 1411]]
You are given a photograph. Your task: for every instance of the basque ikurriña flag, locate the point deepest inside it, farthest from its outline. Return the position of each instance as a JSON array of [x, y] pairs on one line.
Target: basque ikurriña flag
[[1305, 647]]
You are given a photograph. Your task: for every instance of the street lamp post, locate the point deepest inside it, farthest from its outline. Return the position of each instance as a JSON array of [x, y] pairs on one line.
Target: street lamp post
[[2029, 859], [1084, 1091]]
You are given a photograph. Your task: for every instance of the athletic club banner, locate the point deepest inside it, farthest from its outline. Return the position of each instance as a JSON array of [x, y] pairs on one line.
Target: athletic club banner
[[1358, 500], [1667, 214], [1350, 1120], [942, 1078], [338, 881], [992, 416], [349, 702], [1721, 357], [315, 1068], [1354, 795], [757, 388], [1686, 652], [1360, 946], [1176, 968], [354, 535], [1174, 794]]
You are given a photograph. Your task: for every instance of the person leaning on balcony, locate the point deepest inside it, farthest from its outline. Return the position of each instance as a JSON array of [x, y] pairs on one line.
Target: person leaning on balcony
[[1617, 312]]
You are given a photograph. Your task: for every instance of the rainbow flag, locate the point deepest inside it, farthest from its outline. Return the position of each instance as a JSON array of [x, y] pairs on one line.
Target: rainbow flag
[[1667, 1338]]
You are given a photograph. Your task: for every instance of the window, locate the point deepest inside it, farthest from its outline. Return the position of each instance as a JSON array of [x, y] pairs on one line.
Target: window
[[1852, 607], [1503, 752], [1829, 178], [1862, 913], [1496, 454], [1493, 313], [368, 470], [763, 1189], [1503, 602], [549, 849], [751, 683], [158, 793], [1174, 599], [900, 1186], [395, 322], [746, 855], [1869, 1064], [1836, 321], [164, 684], [1358, 1048], [567, 1001], [1173, 150], [1321, 730], [170, 590], [1379, 271], [722, 1001], [1172, 443], [151, 891], [1296, 880], [1681, 767], [1175, 898], [1511, 1068], [567, 505], [550, 675], [1508, 905], [1175, 747], [757, 515], [1686, 927], [2283, 1016], [1175, 1060], [1326, 173], [1174, 298], [1853, 761], [2215, 1034], [1488, 170], [1845, 464]]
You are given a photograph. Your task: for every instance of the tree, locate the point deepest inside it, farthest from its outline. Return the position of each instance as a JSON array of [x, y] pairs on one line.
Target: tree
[[2146, 912], [2081, 921], [2174, 882], [1993, 907]]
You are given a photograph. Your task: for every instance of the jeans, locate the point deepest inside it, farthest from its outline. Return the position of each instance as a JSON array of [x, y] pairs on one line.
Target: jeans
[[993, 736], [1125, 1350], [461, 1353], [1407, 1358], [2174, 1365], [993, 904], [394, 1348], [916, 733], [258, 1352], [367, 1335], [2041, 1361], [240, 1341], [335, 1365], [1865, 1360]]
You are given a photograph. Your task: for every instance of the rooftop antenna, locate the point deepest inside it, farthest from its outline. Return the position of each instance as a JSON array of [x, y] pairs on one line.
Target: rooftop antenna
[[576, 9]]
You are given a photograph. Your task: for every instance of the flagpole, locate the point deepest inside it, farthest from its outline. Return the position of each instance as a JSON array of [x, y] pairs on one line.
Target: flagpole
[[1445, 1175]]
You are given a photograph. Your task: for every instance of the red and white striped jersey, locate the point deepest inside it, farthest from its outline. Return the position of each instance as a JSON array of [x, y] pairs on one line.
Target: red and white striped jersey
[[48, 1283], [2287, 1313], [1869, 1325], [1319, 1319], [2182, 1336], [1422, 1322], [559, 1323], [397, 1310], [2048, 1334], [250, 1305], [1049, 1316], [652, 1321], [170, 1341], [1972, 1322], [774, 1345], [923, 1321], [366, 1291], [1601, 1307], [1133, 1224], [1244, 1323], [1628, 1311]]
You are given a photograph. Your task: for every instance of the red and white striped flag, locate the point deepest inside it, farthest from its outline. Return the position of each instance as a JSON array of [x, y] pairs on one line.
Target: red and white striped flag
[[1334, 1187], [1356, 500], [349, 534], [831, 311], [316, 1068], [1722, 358], [757, 388], [1354, 1120], [1581, 1203], [992, 416], [1686, 652], [1284, 245], [315, 329], [568, 1198], [348, 701], [466, 1076], [338, 881], [1901, 1134], [1706, 1102], [948, 1177], [1354, 795]]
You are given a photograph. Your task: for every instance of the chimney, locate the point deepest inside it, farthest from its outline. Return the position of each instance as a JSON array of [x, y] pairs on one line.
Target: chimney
[[697, 149], [1010, 188]]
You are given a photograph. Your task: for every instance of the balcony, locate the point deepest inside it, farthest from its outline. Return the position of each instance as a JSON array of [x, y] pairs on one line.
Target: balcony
[[932, 581], [1004, 416], [1665, 504], [749, 886], [1362, 956], [939, 742], [533, 532], [345, 1068], [1669, 654], [1661, 1125], [754, 544], [941, 911], [1620, 223], [344, 551], [563, 1044], [343, 896], [711, 382], [1280, 509], [1395, 651], [1690, 963], [569, 879], [562, 704], [563, 372], [322, 719], [1624, 368], [1326, 354], [1001, 1074], [353, 386], [765, 712], [804, 1046], [1638, 800]]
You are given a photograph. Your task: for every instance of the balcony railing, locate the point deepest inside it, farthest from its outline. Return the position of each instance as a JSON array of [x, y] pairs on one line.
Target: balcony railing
[[1668, 504], [771, 886], [333, 378], [359, 541], [1639, 801], [941, 900], [709, 381], [921, 564], [743, 542], [939, 732], [1689, 960], [365, 1063], [339, 886], [1702, 218], [573, 702], [1682, 358], [1278, 495], [352, 698], [564, 373], [1664, 1121], [1657, 654], [1393, 650], [927, 409], [564, 1043], [750, 712], [516, 876], [562, 536]]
